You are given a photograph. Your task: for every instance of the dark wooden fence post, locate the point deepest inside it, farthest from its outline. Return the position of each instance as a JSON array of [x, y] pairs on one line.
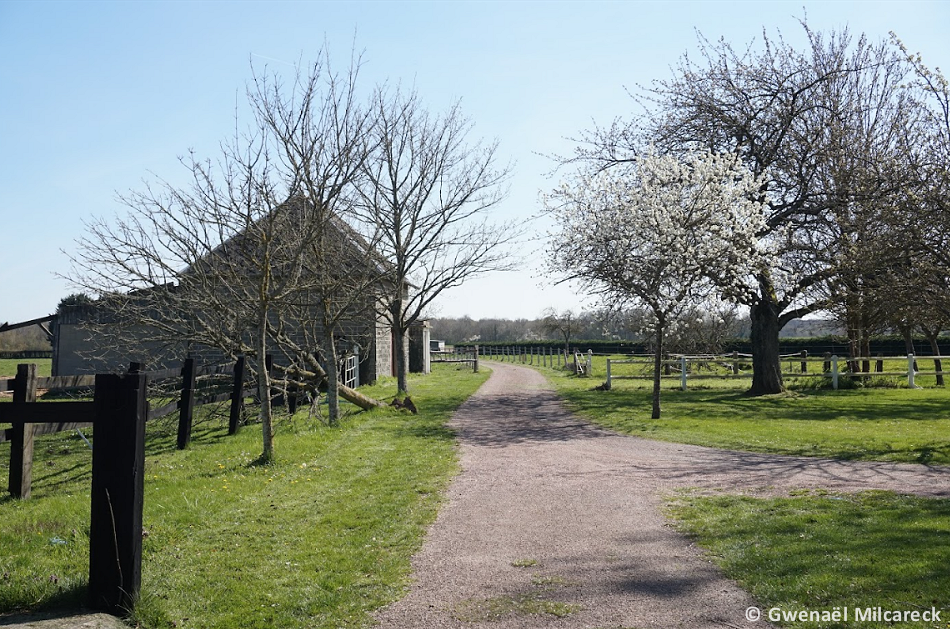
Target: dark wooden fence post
[[237, 396], [804, 361], [475, 362], [21, 443], [277, 399], [118, 464], [187, 404], [292, 399], [879, 366]]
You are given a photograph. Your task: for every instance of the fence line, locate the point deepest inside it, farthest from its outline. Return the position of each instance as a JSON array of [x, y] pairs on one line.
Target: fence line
[[831, 368], [119, 411], [457, 355], [578, 361], [738, 364]]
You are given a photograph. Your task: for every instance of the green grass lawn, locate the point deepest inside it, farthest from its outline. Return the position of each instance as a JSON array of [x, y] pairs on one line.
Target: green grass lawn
[[890, 423], [8, 366], [318, 539], [816, 551]]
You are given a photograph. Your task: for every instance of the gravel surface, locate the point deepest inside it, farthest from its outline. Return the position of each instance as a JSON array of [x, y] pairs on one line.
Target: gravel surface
[[67, 621], [555, 523]]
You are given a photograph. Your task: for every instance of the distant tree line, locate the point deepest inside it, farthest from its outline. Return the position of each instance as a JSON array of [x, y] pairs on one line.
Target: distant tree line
[[706, 332]]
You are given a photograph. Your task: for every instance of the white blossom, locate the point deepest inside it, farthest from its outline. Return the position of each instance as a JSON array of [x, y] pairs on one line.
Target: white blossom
[[663, 232]]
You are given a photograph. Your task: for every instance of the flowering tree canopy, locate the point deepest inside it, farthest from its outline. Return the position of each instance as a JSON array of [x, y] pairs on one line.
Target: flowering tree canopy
[[663, 232]]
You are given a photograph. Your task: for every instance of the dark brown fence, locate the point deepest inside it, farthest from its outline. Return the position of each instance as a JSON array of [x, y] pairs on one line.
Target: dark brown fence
[[118, 412], [185, 402]]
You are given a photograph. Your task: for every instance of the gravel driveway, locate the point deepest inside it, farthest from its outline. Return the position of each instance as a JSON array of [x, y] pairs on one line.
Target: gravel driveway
[[555, 523]]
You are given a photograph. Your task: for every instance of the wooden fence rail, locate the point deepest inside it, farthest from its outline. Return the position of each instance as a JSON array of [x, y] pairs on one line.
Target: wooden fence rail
[[464, 355], [542, 356], [680, 367], [118, 411], [185, 402], [832, 367]]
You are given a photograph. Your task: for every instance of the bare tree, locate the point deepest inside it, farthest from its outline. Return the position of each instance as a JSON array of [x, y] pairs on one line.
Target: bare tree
[[565, 324], [240, 259], [428, 192]]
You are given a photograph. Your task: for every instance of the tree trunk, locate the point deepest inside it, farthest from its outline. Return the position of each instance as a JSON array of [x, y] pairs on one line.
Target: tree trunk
[[402, 358], [263, 391], [365, 402], [854, 336], [907, 331], [766, 365], [657, 367], [333, 379], [866, 341], [319, 375], [938, 364]]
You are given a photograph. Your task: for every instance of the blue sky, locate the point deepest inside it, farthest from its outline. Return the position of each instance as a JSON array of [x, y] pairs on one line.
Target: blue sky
[[97, 97]]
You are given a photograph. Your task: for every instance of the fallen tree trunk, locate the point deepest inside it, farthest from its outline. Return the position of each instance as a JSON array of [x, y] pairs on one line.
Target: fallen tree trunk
[[311, 380]]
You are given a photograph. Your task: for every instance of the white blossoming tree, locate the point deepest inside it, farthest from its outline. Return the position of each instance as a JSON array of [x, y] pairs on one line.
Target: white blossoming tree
[[663, 233]]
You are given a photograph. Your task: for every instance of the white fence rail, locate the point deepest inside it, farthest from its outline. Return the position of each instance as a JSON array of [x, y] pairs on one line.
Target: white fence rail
[[831, 368]]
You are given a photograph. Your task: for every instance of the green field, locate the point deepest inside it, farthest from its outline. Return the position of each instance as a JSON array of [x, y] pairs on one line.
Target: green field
[[318, 539], [889, 423], [818, 551], [8, 366]]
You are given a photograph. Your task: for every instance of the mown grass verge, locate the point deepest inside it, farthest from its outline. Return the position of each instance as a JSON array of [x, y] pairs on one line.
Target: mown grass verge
[[888, 424], [817, 551], [318, 539]]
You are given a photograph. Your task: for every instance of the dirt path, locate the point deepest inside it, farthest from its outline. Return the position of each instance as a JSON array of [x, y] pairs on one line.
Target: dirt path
[[551, 514]]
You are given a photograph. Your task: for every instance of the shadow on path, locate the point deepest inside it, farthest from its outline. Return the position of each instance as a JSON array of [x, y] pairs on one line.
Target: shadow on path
[[550, 509]]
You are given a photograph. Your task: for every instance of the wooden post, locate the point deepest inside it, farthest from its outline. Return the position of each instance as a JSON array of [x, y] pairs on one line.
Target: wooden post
[[804, 361], [683, 372], [237, 396], [735, 363], [608, 374], [475, 363], [911, 370], [118, 464], [834, 372], [292, 395], [879, 365], [826, 366], [278, 399], [21, 443], [187, 403]]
